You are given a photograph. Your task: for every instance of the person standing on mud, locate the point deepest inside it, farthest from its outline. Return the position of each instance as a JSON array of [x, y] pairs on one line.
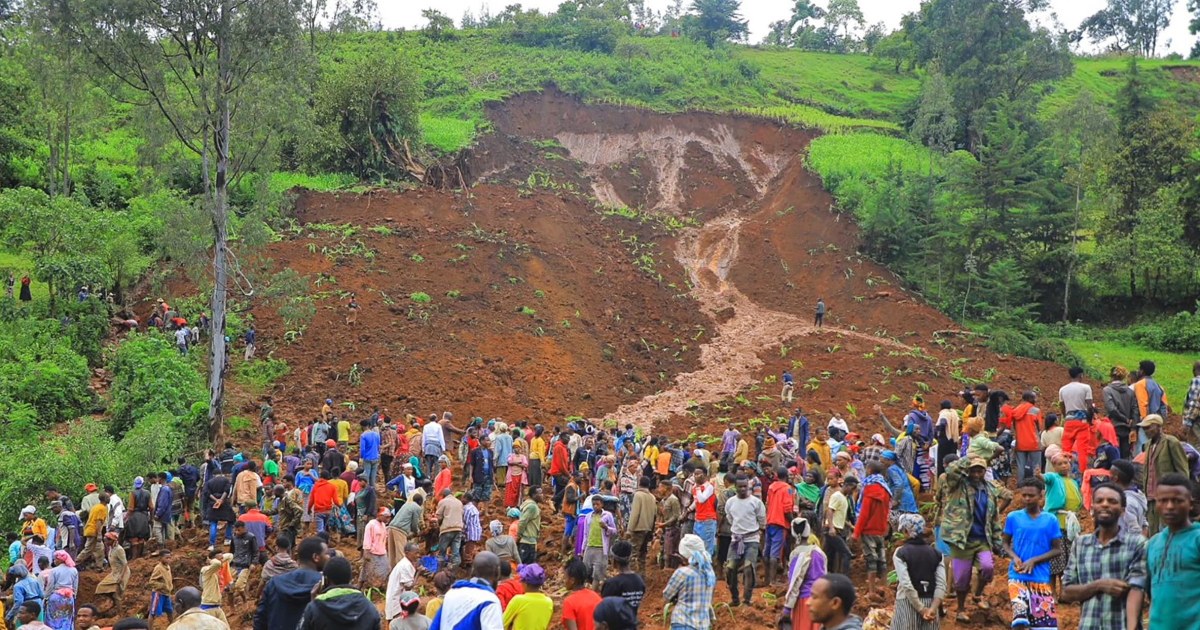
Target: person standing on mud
[[819, 322], [352, 310]]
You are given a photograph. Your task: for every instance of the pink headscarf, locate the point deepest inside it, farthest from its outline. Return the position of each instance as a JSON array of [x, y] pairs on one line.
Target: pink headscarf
[[64, 558]]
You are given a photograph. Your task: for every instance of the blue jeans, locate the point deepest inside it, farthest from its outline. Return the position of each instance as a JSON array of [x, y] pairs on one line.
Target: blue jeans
[[322, 519], [707, 531], [450, 547], [212, 533], [370, 467]]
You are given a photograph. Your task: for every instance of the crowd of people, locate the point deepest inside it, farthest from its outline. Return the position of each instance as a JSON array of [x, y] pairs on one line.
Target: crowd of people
[[467, 513]]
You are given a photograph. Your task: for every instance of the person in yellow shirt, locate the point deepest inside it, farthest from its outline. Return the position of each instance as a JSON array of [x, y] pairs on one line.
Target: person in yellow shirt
[[532, 609], [822, 448], [650, 453], [741, 452], [93, 534], [537, 455]]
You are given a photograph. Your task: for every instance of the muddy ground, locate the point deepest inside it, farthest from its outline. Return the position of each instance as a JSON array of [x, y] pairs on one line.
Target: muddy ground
[[545, 302]]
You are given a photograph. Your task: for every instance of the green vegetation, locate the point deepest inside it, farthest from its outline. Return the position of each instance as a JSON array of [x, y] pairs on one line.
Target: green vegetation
[[260, 374], [420, 298], [1173, 371], [151, 377]]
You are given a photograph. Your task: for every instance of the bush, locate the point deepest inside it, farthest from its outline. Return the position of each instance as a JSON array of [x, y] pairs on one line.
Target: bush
[[260, 374], [420, 297], [1179, 333], [41, 373], [151, 377], [1017, 343]]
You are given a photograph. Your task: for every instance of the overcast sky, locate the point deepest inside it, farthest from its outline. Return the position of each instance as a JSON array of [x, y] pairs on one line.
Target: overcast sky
[[760, 13]]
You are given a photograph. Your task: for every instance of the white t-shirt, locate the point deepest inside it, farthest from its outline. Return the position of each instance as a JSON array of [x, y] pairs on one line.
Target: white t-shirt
[[1075, 396], [402, 578], [181, 336], [839, 505], [431, 434]]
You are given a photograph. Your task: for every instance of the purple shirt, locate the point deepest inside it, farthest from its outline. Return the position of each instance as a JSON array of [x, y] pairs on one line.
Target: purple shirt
[[729, 440], [816, 570]]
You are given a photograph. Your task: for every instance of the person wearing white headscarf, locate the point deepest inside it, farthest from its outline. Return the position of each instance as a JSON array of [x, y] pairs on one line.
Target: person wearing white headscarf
[[690, 589], [806, 565]]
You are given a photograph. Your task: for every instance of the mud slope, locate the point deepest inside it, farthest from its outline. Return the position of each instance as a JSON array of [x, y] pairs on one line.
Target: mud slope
[[768, 245], [535, 309]]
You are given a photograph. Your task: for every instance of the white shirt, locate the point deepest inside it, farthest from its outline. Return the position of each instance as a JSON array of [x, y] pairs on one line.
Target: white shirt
[[116, 512], [401, 579], [431, 433], [1075, 396], [181, 336]]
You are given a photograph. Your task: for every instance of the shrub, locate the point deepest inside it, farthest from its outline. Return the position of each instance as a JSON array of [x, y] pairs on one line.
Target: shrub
[[420, 297], [151, 377], [260, 374], [41, 373], [1179, 333]]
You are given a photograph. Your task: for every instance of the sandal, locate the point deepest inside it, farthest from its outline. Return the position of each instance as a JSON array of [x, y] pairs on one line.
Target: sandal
[[982, 604], [962, 617]]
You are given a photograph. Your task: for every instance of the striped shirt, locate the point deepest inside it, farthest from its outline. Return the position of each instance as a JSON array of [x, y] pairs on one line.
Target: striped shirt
[[471, 525]]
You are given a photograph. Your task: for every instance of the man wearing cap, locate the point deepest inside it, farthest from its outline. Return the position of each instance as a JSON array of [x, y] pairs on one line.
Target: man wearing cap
[[1164, 455], [970, 522], [90, 500]]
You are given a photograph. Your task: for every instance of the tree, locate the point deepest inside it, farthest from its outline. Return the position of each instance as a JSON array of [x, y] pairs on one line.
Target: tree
[[715, 21], [367, 113], [935, 124], [841, 18], [1128, 25], [988, 50], [62, 236], [439, 27], [798, 27], [323, 21], [1082, 138], [198, 64]]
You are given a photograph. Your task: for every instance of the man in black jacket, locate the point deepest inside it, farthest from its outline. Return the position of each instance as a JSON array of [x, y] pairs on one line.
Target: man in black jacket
[[1121, 406], [285, 597], [339, 606]]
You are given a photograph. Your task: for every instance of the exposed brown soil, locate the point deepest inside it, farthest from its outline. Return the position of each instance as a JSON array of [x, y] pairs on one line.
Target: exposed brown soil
[[684, 354]]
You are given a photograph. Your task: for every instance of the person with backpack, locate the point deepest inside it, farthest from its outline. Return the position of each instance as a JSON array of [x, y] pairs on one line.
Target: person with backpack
[[1121, 406], [920, 575]]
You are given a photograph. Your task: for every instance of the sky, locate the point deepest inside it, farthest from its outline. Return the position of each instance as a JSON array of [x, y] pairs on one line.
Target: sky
[[760, 14]]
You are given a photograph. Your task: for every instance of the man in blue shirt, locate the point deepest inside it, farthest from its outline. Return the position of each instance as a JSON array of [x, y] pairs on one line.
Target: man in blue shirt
[[368, 450], [251, 340], [789, 382], [1031, 539], [897, 480]]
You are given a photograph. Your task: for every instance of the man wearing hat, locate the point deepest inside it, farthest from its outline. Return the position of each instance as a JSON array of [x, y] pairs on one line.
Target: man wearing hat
[[1164, 455], [971, 527]]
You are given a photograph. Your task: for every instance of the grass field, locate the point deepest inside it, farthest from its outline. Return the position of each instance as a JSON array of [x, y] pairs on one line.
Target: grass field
[[1174, 371], [852, 85], [20, 265]]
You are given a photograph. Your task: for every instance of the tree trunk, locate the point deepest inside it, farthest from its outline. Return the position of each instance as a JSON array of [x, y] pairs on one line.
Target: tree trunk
[[1074, 254], [220, 217], [66, 151]]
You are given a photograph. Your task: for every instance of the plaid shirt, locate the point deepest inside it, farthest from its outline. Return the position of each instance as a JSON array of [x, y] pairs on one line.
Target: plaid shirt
[[471, 524], [693, 600], [1191, 406], [1123, 558]]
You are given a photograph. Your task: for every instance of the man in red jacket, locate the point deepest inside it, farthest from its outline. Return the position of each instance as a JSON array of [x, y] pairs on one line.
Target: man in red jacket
[[322, 501], [872, 525], [1027, 426], [781, 503], [560, 468]]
